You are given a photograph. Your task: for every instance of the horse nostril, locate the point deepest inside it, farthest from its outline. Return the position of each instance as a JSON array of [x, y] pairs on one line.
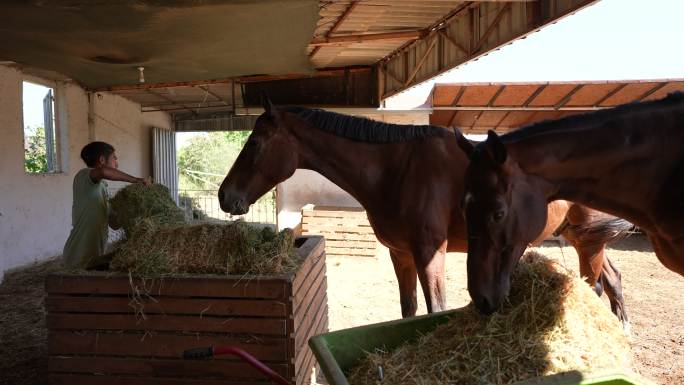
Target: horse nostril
[[220, 195]]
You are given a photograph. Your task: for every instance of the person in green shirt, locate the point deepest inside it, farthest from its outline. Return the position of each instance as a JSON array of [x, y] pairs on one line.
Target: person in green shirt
[[90, 212]]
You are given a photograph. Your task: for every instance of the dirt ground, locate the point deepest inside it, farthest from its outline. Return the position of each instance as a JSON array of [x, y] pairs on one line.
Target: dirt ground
[[364, 290]]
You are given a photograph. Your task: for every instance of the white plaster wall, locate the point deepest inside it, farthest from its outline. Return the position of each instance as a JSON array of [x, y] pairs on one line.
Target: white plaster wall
[[35, 210], [307, 186]]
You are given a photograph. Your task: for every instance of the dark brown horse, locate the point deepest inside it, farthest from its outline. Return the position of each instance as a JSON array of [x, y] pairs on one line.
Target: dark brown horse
[[627, 161], [408, 178]]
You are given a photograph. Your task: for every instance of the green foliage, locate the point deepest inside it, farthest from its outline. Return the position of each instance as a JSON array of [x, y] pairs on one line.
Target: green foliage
[[206, 159], [35, 152]]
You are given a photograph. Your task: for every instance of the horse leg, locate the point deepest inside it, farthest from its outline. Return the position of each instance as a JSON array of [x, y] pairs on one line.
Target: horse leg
[[430, 265], [405, 269], [602, 275], [590, 263], [612, 282]]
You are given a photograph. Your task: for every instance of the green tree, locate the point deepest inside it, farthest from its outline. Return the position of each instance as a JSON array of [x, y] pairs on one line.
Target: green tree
[[206, 159], [34, 151]]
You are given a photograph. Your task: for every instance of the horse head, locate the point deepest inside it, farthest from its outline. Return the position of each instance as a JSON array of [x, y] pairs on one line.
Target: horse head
[[268, 158], [504, 212]]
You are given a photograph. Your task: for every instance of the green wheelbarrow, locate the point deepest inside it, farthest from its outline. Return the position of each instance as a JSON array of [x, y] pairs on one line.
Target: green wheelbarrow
[[338, 352]]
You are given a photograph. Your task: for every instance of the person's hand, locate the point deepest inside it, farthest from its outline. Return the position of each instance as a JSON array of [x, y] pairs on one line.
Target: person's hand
[[145, 181]]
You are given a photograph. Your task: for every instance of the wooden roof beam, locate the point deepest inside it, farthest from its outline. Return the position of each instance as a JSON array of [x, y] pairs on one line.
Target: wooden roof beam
[[337, 24], [360, 38]]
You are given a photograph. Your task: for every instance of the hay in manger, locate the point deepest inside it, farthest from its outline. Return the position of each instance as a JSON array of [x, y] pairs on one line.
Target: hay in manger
[[159, 242], [552, 323]]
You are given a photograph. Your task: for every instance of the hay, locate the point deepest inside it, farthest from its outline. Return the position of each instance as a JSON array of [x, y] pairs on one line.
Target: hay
[[155, 250], [552, 323], [136, 201], [159, 242]]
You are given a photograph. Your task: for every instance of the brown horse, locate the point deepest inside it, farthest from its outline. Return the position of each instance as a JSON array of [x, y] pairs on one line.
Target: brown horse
[[408, 178], [627, 161]]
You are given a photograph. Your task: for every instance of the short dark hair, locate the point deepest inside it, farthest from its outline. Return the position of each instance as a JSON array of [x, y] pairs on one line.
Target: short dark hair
[[92, 151]]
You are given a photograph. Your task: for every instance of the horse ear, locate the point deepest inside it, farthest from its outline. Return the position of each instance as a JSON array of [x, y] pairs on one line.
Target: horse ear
[[463, 142], [269, 107], [495, 147]]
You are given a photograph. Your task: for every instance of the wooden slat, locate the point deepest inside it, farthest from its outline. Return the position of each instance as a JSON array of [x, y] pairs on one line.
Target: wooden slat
[[304, 369], [160, 345], [350, 251], [332, 213], [343, 229], [234, 370], [311, 264], [304, 298], [312, 246], [361, 244], [333, 236], [67, 321], [167, 305], [320, 327], [222, 287], [320, 221], [306, 328], [84, 379], [307, 281]]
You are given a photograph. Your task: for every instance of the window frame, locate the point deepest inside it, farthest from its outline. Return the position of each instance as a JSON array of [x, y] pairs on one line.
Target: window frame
[[57, 121]]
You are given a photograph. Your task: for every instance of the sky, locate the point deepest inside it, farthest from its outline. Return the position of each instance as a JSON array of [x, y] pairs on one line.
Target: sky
[[33, 104], [610, 40]]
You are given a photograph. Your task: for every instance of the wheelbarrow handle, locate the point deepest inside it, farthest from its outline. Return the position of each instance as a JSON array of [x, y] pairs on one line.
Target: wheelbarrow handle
[[201, 353]]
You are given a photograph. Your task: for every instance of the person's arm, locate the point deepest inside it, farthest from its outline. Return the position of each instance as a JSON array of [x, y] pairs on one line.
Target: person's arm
[[108, 173]]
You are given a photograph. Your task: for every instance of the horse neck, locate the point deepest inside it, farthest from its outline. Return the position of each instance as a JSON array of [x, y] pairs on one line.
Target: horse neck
[[606, 164], [356, 167]]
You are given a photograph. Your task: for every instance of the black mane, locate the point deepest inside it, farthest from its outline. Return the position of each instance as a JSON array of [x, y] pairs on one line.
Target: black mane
[[363, 129], [586, 120]]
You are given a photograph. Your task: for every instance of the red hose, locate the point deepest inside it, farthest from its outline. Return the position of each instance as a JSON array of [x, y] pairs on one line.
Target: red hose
[[258, 365]]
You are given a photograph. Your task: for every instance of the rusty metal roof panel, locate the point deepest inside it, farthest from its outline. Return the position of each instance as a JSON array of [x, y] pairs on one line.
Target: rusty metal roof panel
[[476, 107]]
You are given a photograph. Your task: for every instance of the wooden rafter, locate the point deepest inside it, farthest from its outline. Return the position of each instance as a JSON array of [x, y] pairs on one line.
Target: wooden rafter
[[492, 27], [611, 93], [455, 102], [360, 38], [214, 95], [498, 124], [420, 63], [454, 42], [162, 85], [534, 95], [567, 97], [392, 75], [182, 106], [337, 24]]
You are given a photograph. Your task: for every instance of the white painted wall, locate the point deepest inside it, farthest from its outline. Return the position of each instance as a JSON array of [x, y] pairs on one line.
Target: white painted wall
[[35, 209], [307, 186]]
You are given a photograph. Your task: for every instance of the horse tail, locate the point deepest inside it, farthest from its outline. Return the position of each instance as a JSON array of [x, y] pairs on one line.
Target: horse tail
[[600, 231]]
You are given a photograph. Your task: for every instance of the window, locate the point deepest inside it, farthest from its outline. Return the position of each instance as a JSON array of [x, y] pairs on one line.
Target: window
[[41, 153]]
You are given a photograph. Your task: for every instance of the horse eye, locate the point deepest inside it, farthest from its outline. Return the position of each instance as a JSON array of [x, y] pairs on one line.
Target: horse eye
[[498, 215]]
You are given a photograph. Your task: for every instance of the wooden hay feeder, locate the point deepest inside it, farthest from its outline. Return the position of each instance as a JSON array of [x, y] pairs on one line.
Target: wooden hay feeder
[[98, 333]]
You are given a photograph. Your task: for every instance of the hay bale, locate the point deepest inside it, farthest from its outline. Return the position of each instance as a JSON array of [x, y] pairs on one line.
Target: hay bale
[[552, 323], [155, 250], [136, 201]]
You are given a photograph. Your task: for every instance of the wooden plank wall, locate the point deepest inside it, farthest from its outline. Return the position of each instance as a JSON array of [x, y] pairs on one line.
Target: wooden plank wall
[[346, 229], [99, 334]]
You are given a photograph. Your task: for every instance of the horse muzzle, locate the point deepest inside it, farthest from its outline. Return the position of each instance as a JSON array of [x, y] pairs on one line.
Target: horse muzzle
[[232, 204]]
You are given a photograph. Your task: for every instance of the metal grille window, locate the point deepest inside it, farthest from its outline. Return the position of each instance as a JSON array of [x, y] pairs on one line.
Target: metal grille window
[[41, 144]]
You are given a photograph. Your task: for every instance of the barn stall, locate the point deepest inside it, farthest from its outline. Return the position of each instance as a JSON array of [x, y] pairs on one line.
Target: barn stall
[[120, 93]]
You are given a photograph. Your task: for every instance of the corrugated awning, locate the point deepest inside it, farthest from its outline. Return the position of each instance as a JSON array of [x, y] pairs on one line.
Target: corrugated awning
[[478, 107]]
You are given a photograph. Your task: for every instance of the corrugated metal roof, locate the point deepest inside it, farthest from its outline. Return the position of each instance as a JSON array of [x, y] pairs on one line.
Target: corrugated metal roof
[[478, 107]]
